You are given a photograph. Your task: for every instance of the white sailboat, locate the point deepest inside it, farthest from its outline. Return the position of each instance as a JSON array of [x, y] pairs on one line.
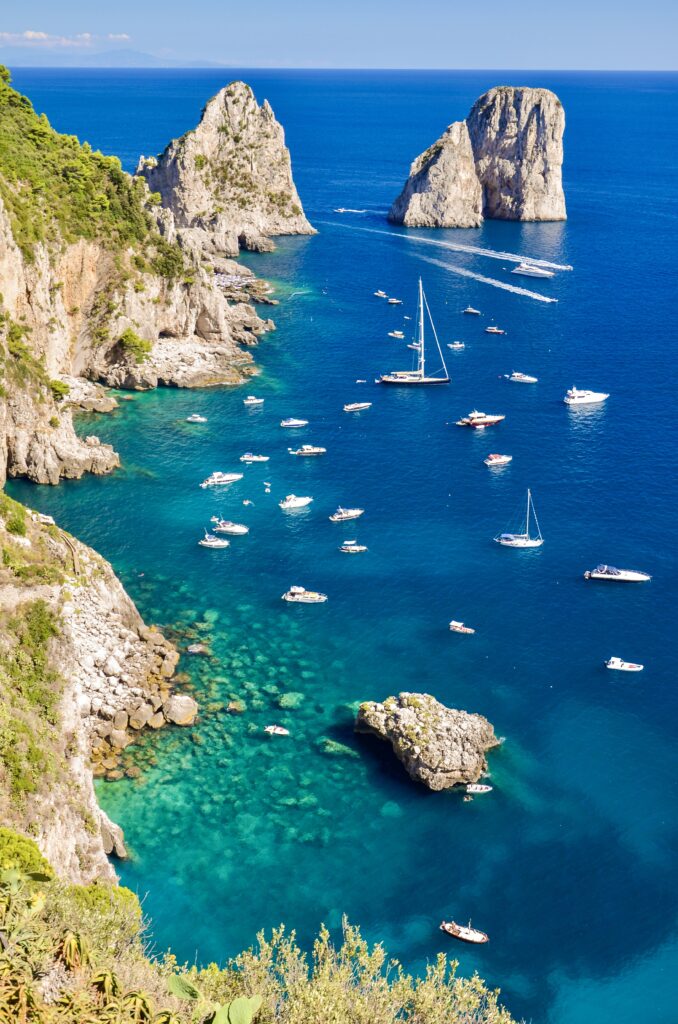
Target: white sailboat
[[417, 375], [524, 539]]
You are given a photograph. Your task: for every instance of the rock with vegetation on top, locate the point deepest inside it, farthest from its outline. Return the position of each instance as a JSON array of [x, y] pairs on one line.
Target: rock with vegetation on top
[[438, 746]]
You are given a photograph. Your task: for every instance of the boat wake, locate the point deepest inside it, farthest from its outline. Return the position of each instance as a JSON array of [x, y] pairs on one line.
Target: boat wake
[[488, 280]]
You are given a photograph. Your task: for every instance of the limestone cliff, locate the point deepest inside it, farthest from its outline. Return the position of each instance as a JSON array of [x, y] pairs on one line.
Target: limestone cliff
[[508, 154], [228, 182]]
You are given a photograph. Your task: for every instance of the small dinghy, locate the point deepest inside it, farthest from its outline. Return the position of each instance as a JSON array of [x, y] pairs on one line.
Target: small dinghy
[[276, 730], [307, 449], [342, 514], [357, 406], [623, 666], [210, 541], [292, 502], [351, 547], [195, 418], [249, 457], [252, 400], [478, 787], [218, 479], [226, 526], [299, 595], [459, 627], [465, 933]]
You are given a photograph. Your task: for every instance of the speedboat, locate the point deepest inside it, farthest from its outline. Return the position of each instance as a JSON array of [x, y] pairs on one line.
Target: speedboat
[[357, 406], [307, 449], [395, 302], [226, 526], [291, 422], [459, 627], [471, 311], [576, 397], [195, 418], [477, 420], [351, 547], [252, 400], [417, 375], [210, 541], [396, 334], [380, 294], [494, 330], [464, 932], [276, 730], [530, 270], [524, 539], [218, 479], [623, 666], [521, 378], [249, 457], [342, 514], [493, 459], [292, 502], [299, 595], [478, 787], [609, 572], [456, 346]]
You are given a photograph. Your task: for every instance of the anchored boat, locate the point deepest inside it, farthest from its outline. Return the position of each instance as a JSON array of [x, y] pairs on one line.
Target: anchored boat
[[494, 330], [357, 406], [307, 449], [417, 375], [471, 311], [494, 459], [524, 539], [276, 730], [218, 479], [459, 627], [210, 541], [226, 526], [342, 514], [351, 547], [521, 378], [299, 595], [609, 572], [252, 400], [249, 457], [292, 423], [479, 420], [623, 666], [464, 932], [292, 502], [584, 397], [196, 418]]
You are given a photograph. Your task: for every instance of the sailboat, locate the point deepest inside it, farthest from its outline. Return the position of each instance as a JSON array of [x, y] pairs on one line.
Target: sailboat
[[524, 539], [418, 375]]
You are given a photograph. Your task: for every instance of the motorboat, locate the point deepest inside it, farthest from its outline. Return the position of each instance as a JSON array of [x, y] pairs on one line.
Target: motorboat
[[478, 787], [361, 381], [459, 627], [196, 418], [276, 730], [351, 547], [396, 334], [252, 400], [299, 595], [609, 572], [521, 378], [218, 479], [249, 457], [291, 422], [494, 330], [418, 375], [456, 346], [226, 526], [575, 396], [380, 294], [470, 311], [478, 420], [210, 541], [464, 932], [308, 449], [395, 302], [623, 666], [357, 406], [342, 514], [414, 345], [293, 502], [530, 270], [494, 459], [524, 539]]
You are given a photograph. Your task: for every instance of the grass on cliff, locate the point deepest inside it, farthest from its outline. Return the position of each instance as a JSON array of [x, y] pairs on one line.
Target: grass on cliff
[[76, 955]]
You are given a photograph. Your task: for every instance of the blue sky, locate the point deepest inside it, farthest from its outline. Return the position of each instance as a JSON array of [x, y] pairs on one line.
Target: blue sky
[[623, 34]]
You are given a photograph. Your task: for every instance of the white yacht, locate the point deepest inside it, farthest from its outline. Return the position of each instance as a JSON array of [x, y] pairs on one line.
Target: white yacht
[[351, 547], [623, 666], [380, 294], [479, 420], [418, 375], [524, 539], [471, 311], [584, 397], [478, 787], [459, 627], [494, 459], [357, 406], [210, 541], [395, 302], [530, 270], [218, 479], [342, 514], [252, 400], [292, 423], [456, 346], [609, 572], [396, 334], [196, 418], [250, 457], [226, 526], [521, 378], [494, 330], [293, 502], [308, 449], [276, 730], [299, 595]]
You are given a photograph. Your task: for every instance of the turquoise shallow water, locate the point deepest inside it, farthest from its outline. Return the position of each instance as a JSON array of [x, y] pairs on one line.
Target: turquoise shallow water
[[570, 863]]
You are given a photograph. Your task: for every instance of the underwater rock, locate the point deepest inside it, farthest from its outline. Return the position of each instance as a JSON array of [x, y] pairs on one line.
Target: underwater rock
[[180, 709]]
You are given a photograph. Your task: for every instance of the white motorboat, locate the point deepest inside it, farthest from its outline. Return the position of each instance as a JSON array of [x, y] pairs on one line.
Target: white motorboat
[[252, 400], [623, 666], [361, 381], [575, 396], [249, 457], [456, 346], [299, 595], [459, 627], [418, 375], [471, 311], [396, 334], [292, 423], [357, 406], [478, 787], [494, 459], [380, 294], [218, 479], [494, 330], [226, 526], [464, 932], [524, 539], [308, 449], [395, 302], [609, 572], [521, 378], [196, 418], [343, 514], [479, 420], [276, 730], [210, 541], [351, 547], [293, 502], [530, 270]]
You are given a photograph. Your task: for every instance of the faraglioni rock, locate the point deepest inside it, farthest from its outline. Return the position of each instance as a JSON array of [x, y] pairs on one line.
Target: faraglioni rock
[[504, 162], [439, 746], [228, 182]]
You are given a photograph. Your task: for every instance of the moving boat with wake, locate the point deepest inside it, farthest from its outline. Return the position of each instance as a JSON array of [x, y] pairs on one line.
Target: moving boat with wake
[[524, 539], [530, 270], [417, 375]]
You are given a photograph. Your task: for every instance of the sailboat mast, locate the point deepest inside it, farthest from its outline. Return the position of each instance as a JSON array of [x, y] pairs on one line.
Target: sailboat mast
[[527, 515], [421, 329]]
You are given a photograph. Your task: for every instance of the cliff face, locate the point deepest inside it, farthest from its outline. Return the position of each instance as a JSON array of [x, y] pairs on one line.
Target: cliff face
[[228, 182], [504, 162]]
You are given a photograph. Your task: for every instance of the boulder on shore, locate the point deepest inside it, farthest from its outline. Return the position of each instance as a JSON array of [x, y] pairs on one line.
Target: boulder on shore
[[437, 745], [180, 709]]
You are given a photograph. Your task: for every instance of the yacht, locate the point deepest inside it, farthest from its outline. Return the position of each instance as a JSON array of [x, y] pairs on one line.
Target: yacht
[[471, 311], [464, 932], [292, 502], [623, 666], [351, 547], [456, 346], [276, 730], [342, 514], [479, 420], [380, 294], [395, 302], [291, 422], [609, 572], [494, 330], [308, 449], [524, 539], [210, 541], [217, 479], [576, 397], [299, 595], [497, 460], [478, 787], [249, 457], [357, 406], [521, 378], [459, 627], [252, 400], [226, 526], [530, 270], [195, 418], [417, 375], [396, 334]]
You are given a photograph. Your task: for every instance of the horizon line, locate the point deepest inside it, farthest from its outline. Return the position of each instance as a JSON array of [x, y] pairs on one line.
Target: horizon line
[[284, 67]]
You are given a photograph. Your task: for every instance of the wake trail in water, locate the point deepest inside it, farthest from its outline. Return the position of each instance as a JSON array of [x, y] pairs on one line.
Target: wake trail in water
[[488, 280], [473, 250]]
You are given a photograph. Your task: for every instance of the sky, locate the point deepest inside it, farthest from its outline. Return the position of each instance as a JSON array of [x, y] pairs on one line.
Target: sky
[[519, 34]]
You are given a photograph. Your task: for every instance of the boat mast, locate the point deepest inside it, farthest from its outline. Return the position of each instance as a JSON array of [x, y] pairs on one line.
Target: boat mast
[[421, 329], [435, 335], [536, 521], [527, 516]]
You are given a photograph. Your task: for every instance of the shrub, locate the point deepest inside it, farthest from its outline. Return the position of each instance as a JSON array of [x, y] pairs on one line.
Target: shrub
[[59, 390], [134, 346], [18, 851], [16, 523]]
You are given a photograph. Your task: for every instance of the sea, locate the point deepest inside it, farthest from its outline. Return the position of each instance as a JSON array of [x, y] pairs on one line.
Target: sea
[[569, 864]]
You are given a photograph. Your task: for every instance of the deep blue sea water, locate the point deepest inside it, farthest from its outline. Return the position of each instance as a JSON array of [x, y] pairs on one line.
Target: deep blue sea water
[[570, 863]]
